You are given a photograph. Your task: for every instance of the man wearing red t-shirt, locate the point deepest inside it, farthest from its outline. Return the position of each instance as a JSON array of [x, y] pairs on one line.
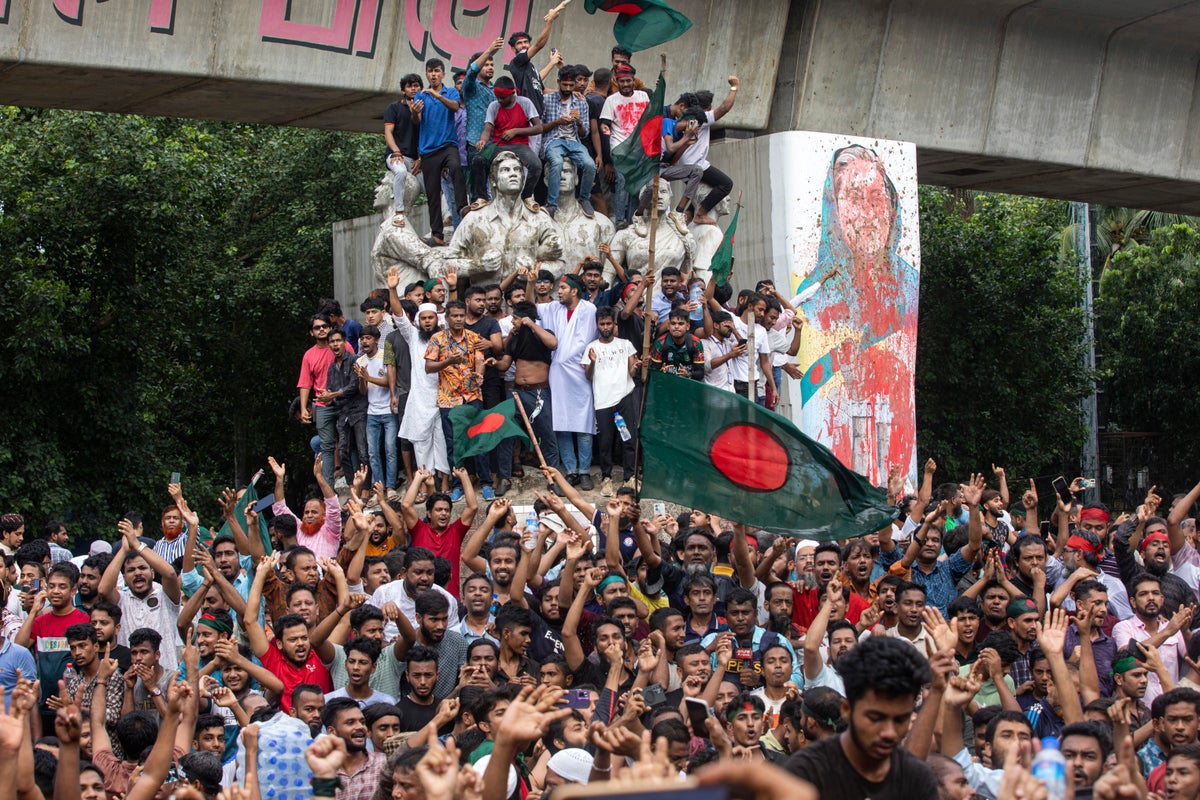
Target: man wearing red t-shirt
[[314, 369], [510, 122], [289, 655], [439, 534], [827, 563], [46, 634]]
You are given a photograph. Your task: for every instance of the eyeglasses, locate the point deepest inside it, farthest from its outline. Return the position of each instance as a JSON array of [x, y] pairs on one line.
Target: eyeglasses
[[320, 327], [544, 280]]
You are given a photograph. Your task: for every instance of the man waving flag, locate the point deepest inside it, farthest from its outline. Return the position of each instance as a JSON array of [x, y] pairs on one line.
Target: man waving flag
[[637, 158]]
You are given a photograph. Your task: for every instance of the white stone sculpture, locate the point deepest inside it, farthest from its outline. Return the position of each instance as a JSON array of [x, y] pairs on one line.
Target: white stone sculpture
[[496, 238], [674, 246], [401, 245], [581, 235], [709, 237]]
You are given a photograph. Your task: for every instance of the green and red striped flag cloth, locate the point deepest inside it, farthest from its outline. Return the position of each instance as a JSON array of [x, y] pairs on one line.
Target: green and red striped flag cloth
[[642, 24], [479, 430], [722, 260]]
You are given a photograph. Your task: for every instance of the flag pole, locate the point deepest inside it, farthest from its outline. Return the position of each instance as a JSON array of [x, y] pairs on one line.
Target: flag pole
[[646, 328], [529, 427]]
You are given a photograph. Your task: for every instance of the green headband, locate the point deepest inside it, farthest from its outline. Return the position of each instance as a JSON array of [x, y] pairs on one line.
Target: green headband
[[611, 579], [735, 708], [1123, 665], [220, 626], [574, 281]]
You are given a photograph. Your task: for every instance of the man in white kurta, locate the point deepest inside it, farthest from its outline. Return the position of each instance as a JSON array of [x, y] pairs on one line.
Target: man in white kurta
[[422, 423], [573, 322]]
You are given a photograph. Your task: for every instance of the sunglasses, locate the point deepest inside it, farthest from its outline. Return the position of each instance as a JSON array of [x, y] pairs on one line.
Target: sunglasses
[[320, 327]]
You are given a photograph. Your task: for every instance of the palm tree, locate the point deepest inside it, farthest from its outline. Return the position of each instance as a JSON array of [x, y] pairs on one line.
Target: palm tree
[[1115, 229]]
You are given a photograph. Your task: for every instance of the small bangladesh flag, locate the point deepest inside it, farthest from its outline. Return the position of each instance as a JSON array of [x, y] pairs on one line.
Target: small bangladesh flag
[[709, 448], [638, 157], [722, 260], [642, 24], [479, 430]]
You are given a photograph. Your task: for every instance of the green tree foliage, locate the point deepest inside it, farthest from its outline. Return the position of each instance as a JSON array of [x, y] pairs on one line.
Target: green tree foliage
[[156, 276], [999, 355], [1149, 296]]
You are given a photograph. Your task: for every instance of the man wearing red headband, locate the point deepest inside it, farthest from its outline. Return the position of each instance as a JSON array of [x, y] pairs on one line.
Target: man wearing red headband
[[1178, 582], [1081, 561], [510, 121]]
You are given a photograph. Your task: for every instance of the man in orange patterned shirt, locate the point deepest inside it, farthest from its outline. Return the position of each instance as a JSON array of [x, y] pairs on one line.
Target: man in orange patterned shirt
[[456, 355]]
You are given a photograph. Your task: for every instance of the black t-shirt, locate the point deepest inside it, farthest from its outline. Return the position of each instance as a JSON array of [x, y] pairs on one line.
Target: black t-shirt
[[595, 106], [413, 716], [824, 765], [405, 133], [633, 329], [524, 345], [544, 641], [528, 80], [485, 326]]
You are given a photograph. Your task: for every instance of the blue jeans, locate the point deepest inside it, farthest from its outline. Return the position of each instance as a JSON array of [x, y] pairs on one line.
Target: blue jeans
[[566, 451], [481, 461], [388, 426], [625, 204], [326, 419], [558, 150]]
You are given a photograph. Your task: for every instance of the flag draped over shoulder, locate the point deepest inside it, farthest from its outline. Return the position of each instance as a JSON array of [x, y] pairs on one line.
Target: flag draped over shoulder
[[638, 157], [479, 430], [708, 448], [722, 260], [642, 24]]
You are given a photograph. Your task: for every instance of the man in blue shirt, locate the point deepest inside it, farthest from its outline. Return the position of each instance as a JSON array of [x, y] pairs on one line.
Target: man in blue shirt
[[439, 145], [477, 96]]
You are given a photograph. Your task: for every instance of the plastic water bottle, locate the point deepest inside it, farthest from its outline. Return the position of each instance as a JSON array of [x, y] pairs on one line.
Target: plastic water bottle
[[1050, 768], [531, 522], [696, 295], [622, 428]]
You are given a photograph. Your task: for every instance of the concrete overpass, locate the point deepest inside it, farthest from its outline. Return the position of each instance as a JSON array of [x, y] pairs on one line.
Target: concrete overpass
[[1094, 100]]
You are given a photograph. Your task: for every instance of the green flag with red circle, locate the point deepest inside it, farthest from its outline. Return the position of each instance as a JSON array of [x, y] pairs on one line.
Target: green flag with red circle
[[714, 450], [479, 430], [642, 24], [637, 158]]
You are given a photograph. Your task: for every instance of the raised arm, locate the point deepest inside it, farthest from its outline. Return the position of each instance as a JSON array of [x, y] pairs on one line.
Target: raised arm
[[570, 492], [227, 650], [971, 496], [158, 763], [727, 104], [471, 506], [1178, 514], [573, 650], [408, 502], [537, 44], [318, 637], [470, 550], [739, 553], [813, 663], [191, 608], [925, 493], [255, 634], [1089, 676], [170, 578], [192, 520], [1051, 636], [108, 581]]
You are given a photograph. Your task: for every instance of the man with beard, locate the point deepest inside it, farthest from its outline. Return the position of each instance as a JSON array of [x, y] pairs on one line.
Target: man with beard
[[360, 770], [1085, 747], [779, 601], [1176, 718], [433, 632], [419, 706], [940, 578], [842, 638], [883, 680], [307, 703], [526, 76], [143, 603], [289, 654], [82, 677], [572, 320], [618, 119], [1091, 612], [993, 601], [300, 568], [174, 532], [1178, 585], [827, 565], [501, 562], [106, 619], [750, 641], [421, 421], [1005, 729], [1033, 574], [90, 573], [320, 527], [1081, 561], [399, 598], [1148, 626]]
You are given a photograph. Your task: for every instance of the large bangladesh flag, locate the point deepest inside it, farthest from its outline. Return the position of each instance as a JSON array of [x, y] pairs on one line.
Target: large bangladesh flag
[[479, 430], [708, 448], [638, 157], [642, 24]]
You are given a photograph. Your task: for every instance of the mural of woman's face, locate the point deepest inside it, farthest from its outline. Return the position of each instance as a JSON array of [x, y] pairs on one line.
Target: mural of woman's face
[[864, 206]]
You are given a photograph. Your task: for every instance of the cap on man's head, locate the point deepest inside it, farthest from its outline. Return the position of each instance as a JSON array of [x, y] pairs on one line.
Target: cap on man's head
[[572, 764], [1021, 606]]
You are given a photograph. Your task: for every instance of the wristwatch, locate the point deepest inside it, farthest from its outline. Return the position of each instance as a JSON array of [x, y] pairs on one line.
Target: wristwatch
[[157, 692]]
